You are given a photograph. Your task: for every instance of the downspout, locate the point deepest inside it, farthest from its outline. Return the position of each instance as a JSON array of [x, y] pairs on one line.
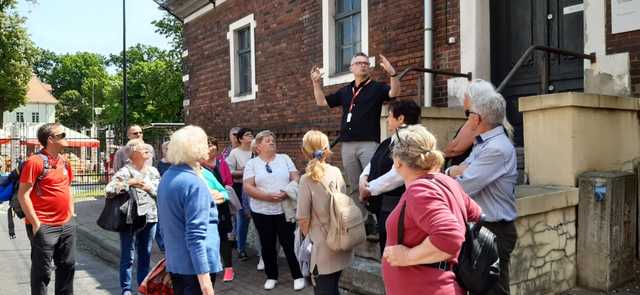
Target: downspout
[[428, 51]]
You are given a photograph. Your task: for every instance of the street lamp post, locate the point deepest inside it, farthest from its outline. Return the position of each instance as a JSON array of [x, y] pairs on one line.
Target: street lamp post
[[124, 71]]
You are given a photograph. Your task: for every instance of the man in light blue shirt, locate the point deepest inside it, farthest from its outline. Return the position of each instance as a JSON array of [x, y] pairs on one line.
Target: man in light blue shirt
[[489, 174]]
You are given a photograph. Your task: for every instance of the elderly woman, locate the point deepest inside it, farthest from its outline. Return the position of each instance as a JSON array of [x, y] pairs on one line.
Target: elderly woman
[[434, 207], [313, 213], [381, 185], [189, 215], [266, 177], [460, 146], [142, 178], [217, 176]]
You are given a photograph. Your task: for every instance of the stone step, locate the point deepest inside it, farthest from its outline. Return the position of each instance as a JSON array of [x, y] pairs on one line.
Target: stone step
[[363, 277]]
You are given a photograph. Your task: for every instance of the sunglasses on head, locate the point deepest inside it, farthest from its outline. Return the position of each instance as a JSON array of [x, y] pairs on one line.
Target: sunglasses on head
[[59, 136], [268, 168]]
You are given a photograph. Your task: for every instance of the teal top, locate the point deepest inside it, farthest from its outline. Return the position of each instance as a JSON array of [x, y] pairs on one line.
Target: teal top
[[213, 183]]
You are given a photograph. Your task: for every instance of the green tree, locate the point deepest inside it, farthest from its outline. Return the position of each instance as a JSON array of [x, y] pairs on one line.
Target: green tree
[[16, 57], [45, 61], [76, 79], [155, 90], [171, 28]]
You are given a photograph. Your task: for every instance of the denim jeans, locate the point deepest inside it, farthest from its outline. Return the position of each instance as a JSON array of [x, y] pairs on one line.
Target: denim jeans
[[159, 239], [242, 221], [141, 243], [57, 244]]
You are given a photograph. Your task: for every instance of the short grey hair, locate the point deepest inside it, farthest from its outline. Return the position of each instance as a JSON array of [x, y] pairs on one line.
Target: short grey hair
[[262, 134], [487, 102], [134, 145], [188, 146]]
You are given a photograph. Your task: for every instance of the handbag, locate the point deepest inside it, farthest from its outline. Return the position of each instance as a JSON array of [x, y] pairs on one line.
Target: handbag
[[112, 218], [157, 282]]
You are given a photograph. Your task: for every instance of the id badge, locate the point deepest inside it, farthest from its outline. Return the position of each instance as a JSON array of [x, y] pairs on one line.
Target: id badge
[[348, 117]]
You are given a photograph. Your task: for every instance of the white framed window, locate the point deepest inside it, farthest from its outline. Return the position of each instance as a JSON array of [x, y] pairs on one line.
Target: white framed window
[[35, 117], [242, 58], [345, 32], [20, 117]]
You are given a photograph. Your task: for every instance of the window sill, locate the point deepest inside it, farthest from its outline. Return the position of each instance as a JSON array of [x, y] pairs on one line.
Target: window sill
[[338, 79], [246, 97]]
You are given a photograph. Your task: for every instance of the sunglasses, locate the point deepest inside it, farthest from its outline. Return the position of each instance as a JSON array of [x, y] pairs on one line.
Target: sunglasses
[[59, 136], [137, 133], [268, 168]]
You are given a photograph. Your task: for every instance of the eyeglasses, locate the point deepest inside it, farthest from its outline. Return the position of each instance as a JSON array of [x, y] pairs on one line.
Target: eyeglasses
[[361, 63], [468, 113], [398, 132], [136, 133], [268, 168], [59, 136]]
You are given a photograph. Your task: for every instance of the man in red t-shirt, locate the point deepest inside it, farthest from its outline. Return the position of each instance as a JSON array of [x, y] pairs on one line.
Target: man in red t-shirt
[[45, 197]]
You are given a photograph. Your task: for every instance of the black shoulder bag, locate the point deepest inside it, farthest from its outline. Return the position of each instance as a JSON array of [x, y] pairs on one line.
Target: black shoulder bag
[[478, 267]]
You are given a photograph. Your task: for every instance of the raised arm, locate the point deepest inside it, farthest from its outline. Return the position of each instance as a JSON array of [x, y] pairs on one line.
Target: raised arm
[[394, 82], [318, 94]]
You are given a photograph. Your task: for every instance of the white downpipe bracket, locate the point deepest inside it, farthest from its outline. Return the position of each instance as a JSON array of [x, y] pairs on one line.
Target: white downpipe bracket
[[428, 51]]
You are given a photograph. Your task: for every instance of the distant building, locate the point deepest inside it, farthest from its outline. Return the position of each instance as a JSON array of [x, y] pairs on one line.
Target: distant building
[[40, 106]]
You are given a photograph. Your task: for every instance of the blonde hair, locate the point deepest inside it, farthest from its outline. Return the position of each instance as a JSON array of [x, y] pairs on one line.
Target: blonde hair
[[259, 138], [188, 146], [416, 147], [134, 145], [315, 146]]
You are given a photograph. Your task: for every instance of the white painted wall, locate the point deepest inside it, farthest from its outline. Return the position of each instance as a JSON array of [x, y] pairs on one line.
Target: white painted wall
[[47, 113]]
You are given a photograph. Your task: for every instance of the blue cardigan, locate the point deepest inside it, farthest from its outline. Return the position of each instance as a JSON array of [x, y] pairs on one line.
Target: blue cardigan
[[189, 223]]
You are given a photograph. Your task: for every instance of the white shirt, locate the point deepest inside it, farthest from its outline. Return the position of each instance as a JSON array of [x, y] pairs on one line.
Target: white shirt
[[269, 183]]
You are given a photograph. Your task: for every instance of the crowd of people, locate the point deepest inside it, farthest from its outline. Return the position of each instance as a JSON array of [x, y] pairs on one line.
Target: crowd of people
[[199, 199]]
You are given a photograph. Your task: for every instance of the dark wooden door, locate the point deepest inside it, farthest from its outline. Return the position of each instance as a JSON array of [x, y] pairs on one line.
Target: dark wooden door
[[518, 24]]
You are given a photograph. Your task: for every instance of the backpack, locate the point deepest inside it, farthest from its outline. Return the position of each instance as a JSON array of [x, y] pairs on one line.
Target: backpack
[[346, 224], [14, 204], [478, 267]]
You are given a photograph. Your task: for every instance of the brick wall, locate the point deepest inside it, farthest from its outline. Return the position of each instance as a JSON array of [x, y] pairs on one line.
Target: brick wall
[[625, 42], [288, 40]]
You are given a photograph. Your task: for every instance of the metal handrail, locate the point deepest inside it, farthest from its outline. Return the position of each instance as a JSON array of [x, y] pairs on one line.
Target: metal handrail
[[434, 72], [544, 73]]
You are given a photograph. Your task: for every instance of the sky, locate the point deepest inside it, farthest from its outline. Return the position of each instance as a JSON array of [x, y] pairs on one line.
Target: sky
[[69, 26]]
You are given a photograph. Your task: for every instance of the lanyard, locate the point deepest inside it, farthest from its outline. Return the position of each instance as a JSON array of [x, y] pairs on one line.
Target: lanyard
[[356, 92]]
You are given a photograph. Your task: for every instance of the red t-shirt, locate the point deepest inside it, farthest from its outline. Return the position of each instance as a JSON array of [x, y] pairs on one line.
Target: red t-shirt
[[51, 195], [430, 212]]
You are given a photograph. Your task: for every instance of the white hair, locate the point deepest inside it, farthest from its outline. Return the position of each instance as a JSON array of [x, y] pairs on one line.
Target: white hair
[[487, 102], [134, 145], [188, 145]]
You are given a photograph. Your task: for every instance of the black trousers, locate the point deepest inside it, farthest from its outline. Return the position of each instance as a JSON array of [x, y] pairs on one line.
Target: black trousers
[[382, 230], [326, 284], [57, 244], [271, 228], [224, 228], [507, 236], [188, 284]]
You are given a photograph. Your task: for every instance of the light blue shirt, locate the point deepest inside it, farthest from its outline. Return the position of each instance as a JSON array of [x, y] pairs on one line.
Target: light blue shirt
[[491, 176]]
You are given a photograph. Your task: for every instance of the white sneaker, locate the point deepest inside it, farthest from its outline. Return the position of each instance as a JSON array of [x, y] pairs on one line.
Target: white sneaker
[[260, 264], [270, 284], [298, 284]]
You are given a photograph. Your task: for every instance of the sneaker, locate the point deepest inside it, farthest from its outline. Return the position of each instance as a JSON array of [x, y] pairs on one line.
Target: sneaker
[[260, 264], [298, 284], [242, 256], [270, 284], [228, 274]]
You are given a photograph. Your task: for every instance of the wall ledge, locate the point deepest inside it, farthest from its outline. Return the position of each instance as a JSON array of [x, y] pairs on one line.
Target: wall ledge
[[578, 99], [532, 200]]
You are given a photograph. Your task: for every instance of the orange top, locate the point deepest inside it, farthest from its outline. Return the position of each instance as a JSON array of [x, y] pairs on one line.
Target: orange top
[[51, 195]]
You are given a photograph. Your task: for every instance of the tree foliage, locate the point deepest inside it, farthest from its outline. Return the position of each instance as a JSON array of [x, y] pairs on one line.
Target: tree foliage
[[17, 53]]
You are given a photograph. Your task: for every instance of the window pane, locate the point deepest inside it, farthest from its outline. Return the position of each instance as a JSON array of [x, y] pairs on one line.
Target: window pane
[[244, 72], [243, 39], [347, 32], [355, 4], [355, 22]]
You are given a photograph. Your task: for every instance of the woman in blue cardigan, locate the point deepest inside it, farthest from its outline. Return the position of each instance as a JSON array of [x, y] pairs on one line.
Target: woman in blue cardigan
[[189, 216]]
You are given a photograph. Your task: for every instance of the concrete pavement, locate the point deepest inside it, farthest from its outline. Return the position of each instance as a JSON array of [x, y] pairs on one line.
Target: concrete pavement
[[93, 276]]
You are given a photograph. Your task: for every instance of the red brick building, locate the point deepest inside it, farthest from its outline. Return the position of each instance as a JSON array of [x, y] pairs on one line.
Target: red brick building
[[248, 62]]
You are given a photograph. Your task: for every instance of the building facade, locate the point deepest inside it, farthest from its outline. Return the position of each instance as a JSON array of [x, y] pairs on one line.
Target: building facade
[[40, 106], [248, 62]]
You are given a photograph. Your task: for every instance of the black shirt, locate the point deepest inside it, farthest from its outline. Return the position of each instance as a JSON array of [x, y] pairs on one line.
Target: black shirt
[[381, 163], [365, 114]]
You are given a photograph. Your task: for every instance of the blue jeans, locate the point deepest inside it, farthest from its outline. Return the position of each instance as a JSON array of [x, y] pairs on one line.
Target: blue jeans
[[242, 221], [159, 239], [143, 241]]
